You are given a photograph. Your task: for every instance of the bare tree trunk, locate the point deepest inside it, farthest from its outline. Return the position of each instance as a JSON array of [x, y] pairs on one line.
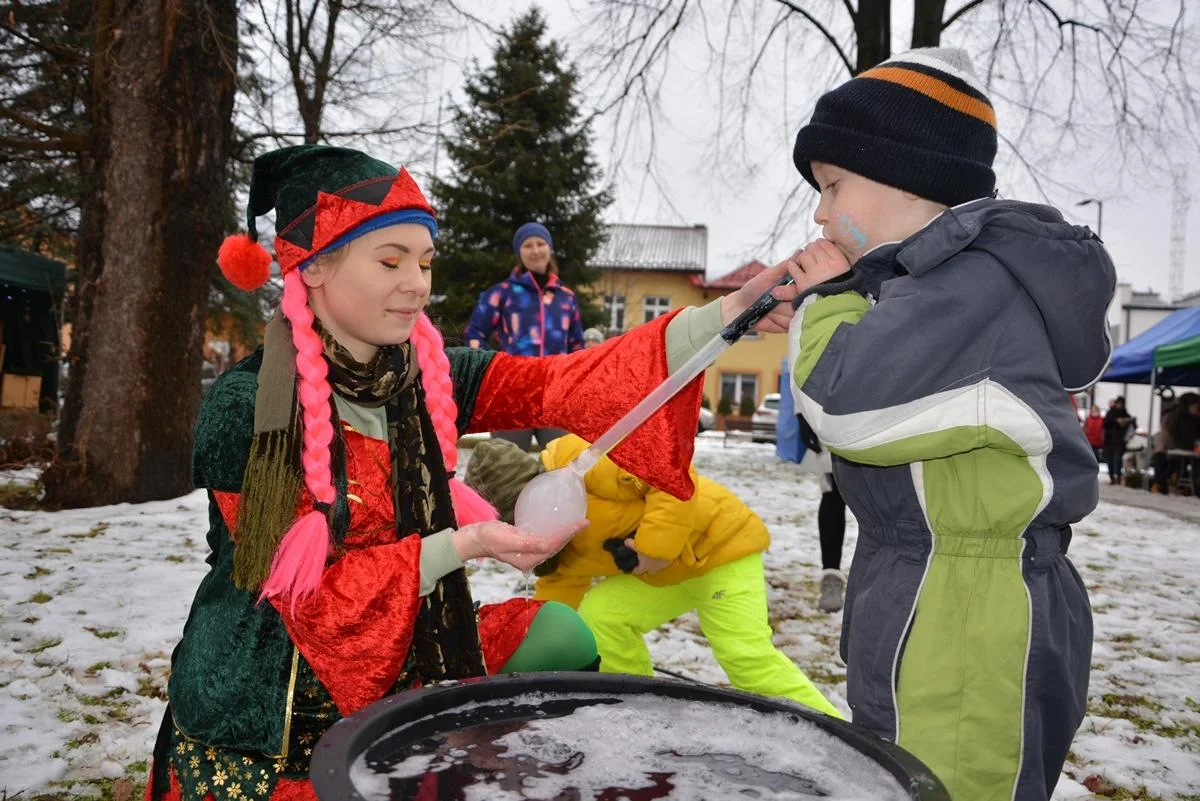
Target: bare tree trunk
[[873, 32], [162, 131], [927, 22]]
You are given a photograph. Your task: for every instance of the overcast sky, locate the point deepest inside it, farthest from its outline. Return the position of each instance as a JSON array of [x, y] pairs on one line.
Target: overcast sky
[[734, 179]]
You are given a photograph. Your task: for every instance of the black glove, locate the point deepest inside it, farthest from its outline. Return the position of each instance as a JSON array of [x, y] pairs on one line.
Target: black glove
[[625, 557], [807, 436]]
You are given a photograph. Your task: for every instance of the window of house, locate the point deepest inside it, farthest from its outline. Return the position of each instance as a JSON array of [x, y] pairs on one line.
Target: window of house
[[614, 307], [654, 306], [735, 385]]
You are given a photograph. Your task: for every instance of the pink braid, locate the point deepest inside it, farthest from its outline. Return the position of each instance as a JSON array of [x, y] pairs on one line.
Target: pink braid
[[427, 344], [300, 558]]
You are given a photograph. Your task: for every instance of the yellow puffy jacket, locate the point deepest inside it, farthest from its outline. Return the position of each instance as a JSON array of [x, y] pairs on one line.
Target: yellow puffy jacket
[[712, 529]]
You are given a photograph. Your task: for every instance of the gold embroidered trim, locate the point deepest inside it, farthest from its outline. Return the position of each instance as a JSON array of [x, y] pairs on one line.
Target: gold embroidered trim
[[287, 715]]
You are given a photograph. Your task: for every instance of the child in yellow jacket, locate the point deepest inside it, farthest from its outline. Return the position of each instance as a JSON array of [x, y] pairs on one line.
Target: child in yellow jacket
[[658, 558]]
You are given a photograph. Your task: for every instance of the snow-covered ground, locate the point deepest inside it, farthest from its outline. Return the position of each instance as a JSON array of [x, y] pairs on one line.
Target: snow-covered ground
[[92, 601]]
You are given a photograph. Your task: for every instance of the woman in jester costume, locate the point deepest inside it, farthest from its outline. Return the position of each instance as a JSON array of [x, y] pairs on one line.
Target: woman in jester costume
[[337, 529]]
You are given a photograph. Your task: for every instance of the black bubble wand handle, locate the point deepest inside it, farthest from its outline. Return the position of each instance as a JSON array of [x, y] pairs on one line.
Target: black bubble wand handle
[[754, 313]]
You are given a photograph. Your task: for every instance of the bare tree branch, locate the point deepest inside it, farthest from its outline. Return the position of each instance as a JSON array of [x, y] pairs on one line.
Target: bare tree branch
[[829, 37]]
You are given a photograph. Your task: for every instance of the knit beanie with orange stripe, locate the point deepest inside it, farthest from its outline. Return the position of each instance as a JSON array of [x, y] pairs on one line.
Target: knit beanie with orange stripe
[[919, 121]]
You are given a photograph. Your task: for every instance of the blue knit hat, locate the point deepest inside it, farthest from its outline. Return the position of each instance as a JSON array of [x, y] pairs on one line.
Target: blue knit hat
[[920, 121], [530, 229]]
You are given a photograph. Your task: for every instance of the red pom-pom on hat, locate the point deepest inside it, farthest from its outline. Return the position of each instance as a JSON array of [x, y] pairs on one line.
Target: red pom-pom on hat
[[244, 262]]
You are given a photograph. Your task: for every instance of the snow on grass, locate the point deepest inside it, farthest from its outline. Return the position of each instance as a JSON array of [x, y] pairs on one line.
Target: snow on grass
[[92, 602]]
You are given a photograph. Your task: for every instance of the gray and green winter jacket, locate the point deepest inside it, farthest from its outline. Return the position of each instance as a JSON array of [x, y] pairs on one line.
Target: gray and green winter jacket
[[966, 631]]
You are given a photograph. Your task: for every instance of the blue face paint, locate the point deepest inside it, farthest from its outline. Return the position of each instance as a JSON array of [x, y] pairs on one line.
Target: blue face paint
[[848, 230]]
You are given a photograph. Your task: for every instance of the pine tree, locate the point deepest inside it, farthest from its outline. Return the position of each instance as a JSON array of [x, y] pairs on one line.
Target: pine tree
[[521, 152]]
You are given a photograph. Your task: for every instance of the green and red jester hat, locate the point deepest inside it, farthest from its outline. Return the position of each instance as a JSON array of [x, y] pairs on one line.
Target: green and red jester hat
[[355, 194]]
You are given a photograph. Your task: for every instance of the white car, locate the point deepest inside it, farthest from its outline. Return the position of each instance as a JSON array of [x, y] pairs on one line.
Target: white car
[[707, 420], [764, 417]]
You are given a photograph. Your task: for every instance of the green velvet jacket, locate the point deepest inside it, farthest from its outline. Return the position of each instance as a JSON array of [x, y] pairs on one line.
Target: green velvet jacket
[[234, 673]]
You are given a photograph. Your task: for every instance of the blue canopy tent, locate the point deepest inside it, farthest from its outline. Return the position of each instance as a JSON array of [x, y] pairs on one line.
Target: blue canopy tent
[[1133, 362], [1149, 358]]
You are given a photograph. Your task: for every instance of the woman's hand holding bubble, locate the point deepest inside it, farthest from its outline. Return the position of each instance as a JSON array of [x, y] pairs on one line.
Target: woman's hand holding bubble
[[510, 545]]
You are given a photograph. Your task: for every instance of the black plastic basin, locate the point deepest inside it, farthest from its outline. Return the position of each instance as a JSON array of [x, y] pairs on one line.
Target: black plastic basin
[[602, 737]]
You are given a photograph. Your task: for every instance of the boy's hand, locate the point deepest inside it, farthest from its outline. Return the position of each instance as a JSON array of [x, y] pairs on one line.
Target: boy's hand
[[646, 564], [813, 265], [777, 319], [817, 263]]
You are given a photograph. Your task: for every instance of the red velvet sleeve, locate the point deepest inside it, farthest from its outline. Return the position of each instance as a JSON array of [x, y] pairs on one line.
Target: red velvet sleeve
[[355, 631], [588, 391], [502, 629]]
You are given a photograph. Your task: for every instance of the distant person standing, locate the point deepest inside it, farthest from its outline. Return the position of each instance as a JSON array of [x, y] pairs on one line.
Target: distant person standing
[[592, 338], [1116, 422], [1093, 429], [531, 313]]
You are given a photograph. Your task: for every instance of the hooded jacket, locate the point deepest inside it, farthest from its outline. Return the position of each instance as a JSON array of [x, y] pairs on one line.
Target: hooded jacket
[[959, 451], [985, 319], [712, 528]]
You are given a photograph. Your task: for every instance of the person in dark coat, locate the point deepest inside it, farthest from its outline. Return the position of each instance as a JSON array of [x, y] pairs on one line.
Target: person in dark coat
[[1116, 423]]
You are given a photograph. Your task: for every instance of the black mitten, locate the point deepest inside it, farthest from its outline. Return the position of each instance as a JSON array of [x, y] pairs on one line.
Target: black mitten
[[625, 557]]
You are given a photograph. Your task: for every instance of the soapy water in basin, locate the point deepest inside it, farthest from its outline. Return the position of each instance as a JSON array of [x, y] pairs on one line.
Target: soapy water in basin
[[575, 747]]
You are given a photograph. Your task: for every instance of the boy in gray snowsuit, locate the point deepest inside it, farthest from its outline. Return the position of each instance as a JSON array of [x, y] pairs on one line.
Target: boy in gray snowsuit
[[937, 375]]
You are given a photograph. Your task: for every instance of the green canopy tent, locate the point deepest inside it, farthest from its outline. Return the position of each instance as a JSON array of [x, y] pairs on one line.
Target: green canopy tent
[[31, 292], [1182, 354]]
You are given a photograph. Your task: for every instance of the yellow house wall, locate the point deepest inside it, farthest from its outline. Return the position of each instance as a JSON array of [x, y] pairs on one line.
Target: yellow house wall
[[760, 357]]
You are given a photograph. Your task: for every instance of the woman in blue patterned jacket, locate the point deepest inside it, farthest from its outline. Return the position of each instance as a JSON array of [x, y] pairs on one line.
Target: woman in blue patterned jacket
[[531, 313]]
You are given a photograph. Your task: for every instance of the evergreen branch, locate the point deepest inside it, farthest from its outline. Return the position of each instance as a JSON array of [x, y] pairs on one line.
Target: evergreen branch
[[37, 145], [61, 140]]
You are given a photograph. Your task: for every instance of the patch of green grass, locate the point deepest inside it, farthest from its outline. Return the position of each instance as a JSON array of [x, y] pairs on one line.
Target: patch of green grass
[[67, 715], [106, 699], [1140, 794], [83, 739], [45, 644], [1091, 533], [1129, 701], [104, 634], [1096, 567], [40, 598], [90, 719], [37, 572], [176, 558], [31, 620], [19, 496], [1142, 712], [1124, 638], [94, 531], [146, 689], [96, 668], [58, 550], [822, 676]]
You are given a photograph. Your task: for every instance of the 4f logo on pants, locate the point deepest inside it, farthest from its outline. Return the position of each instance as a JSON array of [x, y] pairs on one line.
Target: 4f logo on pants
[[718, 595]]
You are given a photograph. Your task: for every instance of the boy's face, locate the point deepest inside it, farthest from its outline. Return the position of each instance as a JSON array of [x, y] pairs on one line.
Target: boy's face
[[857, 214]]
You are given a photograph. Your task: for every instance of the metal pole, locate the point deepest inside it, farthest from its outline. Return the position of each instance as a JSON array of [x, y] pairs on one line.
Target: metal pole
[[1150, 424]]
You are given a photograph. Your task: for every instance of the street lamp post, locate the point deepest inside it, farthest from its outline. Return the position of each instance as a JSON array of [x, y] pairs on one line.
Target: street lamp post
[[1099, 213]]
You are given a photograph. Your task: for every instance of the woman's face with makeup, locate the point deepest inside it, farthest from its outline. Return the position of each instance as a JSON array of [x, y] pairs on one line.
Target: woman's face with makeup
[[373, 294]]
